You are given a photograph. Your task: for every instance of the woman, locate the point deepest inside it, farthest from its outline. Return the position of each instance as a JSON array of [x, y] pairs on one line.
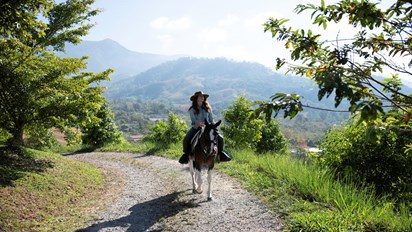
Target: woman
[[199, 111]]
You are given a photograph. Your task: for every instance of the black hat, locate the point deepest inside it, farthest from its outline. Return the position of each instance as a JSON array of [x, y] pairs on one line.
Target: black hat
[[197, 94]]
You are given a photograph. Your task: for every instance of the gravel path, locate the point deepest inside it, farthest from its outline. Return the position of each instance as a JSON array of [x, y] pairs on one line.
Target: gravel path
[[155, 195]]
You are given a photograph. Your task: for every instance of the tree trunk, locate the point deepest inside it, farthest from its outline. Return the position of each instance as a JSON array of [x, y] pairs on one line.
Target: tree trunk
[[16, 141]]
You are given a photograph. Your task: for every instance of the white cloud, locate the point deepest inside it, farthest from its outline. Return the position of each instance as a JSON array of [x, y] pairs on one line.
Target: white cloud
[[165, 23], [235, 52], [165, 40], [229, 20], [258, 19], [213, 35]]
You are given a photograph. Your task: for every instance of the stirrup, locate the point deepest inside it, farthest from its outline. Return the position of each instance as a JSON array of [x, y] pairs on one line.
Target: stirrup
[[223, 157], [184, 159]]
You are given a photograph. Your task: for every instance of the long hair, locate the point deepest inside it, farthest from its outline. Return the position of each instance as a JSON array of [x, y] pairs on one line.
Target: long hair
[[205, 105]]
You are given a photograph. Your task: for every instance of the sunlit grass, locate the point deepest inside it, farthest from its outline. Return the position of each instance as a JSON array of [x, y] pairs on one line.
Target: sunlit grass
[[49, 193], [305, 196]]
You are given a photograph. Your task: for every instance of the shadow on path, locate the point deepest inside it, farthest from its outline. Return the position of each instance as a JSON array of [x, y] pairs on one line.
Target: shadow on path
[[144, 215]]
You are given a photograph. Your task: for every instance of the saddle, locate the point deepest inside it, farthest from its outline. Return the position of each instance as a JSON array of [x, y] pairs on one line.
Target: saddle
[[195, 140]]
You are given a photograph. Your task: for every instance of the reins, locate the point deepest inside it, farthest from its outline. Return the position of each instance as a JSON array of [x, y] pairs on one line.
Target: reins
[[204, 148]]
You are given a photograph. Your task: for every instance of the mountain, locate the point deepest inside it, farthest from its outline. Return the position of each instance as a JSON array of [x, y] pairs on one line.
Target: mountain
[[175, 81], [110, 54]]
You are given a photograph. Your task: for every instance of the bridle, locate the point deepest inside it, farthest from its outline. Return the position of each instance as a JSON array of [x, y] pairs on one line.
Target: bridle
[[210, 150]]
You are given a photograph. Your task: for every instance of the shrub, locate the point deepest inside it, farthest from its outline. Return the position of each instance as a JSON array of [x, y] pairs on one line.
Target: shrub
[[372, 154], [272, 138], [168, 132], [103, 132], [240, 130]]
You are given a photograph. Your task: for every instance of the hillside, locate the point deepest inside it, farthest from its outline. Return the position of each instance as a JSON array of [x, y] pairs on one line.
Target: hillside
[[110, 54], [175, 81]]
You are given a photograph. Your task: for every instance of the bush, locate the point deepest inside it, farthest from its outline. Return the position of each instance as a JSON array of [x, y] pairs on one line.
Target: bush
[[243, 131], [104, 132], [240, 130], [372, 154], [272, 138], [168, 132]]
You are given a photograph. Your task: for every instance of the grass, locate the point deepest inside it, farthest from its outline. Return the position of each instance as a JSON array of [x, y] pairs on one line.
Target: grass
[[42, 191], [317, 202], [306, 197]]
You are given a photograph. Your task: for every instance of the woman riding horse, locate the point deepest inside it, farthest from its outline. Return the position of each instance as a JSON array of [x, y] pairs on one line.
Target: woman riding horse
[[199, 111]]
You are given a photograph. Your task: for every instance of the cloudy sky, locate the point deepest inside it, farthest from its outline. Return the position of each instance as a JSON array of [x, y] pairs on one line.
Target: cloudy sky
[[201, 28]]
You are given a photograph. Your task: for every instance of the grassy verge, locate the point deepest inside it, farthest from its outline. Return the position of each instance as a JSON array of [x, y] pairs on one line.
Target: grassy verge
[[41, 191], [306, 197]]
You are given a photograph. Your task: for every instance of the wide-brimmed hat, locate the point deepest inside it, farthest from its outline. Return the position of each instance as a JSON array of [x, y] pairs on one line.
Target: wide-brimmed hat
[[197, 94]]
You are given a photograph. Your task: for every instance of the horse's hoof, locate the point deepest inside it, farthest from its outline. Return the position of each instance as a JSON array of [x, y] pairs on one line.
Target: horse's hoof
[[197, 192], [209, 199]]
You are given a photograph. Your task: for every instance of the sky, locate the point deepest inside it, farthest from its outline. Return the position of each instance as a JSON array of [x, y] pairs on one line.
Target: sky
[[208, 28]]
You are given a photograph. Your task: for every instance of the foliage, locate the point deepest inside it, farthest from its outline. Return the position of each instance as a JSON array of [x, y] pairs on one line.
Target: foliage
[[40, 137], [104, 132], [244, 131], [345, 68], [169, 132], [134, 116], [272, 138], [352, 150], [39, 89], [241, 131]]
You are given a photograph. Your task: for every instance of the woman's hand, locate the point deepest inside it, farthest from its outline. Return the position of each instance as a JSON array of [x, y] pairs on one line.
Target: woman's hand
[[200, 124]]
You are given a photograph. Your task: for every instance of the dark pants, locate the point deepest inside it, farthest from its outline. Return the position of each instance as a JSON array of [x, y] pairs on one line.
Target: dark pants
[[189, 136], [187, 139]]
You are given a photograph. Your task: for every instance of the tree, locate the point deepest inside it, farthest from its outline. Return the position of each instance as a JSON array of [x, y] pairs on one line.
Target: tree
[[241, 131], [37, 87], [347, 68], [168, 132], [272, 138], [104, 132]]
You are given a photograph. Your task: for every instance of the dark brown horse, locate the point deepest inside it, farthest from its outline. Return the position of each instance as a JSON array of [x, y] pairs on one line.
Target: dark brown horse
[[203, 156]]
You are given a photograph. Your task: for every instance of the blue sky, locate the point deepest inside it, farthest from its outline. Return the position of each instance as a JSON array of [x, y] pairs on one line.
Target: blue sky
[[207, 28]]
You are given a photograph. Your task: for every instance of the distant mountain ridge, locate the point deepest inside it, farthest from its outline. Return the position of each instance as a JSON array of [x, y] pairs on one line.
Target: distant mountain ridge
[[110, 54], [175, 81], [174, 78]]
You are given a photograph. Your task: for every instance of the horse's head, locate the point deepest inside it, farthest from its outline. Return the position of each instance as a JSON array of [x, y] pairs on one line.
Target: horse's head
[[211, 135]]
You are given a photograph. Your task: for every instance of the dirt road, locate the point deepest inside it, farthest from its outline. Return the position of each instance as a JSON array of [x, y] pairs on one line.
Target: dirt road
[[154, 194]]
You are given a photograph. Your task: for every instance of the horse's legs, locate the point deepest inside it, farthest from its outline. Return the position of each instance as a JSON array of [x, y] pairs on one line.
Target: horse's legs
[[192, 174], [209, 188], [198, 176]]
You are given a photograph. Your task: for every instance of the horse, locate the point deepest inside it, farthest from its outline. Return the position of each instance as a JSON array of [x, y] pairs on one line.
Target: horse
[[203, 155]]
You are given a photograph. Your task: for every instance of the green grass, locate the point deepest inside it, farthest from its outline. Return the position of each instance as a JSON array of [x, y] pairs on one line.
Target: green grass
[[306, 197], [43, 191]]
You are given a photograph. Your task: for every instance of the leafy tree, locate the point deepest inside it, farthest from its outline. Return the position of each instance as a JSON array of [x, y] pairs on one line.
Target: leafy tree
[[104, 132], [347, 68], [39, 137], [37, 87], [158, 133], [168, 132], [241, 131], [272, 138]]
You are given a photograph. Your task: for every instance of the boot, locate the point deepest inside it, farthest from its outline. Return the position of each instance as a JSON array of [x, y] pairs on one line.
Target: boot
[[224, 157], [184, 159]]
